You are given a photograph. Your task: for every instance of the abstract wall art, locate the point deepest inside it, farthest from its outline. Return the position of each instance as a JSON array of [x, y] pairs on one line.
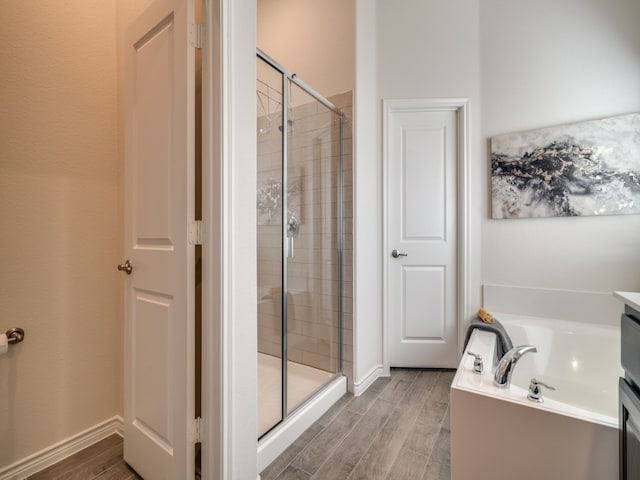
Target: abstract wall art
[[585, 168]]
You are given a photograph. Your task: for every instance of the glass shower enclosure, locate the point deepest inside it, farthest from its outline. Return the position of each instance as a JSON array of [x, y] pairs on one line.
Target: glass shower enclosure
[[299, 257]]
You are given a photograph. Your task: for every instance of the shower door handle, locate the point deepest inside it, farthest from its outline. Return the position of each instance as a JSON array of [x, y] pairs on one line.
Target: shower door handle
[[395, 253], [293, 228], [289, 247]]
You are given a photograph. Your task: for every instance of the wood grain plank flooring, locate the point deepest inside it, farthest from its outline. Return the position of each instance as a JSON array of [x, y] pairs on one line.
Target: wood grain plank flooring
[[341, 463], [323, 445], [398, 429], [386, 447], [100, 461]]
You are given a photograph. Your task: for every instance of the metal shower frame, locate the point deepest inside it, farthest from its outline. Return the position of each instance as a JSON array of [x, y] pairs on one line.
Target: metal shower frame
[[287, 77]]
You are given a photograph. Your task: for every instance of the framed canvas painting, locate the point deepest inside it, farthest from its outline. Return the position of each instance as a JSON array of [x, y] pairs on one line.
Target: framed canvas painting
[[585, 168]]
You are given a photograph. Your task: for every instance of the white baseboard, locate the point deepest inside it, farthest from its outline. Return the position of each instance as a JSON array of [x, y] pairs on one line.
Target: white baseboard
[[61, 450], [360, 387]]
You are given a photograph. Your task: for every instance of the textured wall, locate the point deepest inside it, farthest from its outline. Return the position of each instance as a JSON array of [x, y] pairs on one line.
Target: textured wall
[[61, 235]]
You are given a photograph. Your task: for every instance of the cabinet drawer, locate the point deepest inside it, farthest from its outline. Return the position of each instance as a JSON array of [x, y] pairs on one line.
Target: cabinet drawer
[[630, 347]]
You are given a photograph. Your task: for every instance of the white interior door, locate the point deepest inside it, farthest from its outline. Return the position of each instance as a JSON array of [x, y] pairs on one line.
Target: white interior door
[[159, 203], [421, 218]]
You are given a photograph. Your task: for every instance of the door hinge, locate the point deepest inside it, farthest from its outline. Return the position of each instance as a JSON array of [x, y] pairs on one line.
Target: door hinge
[[196, 35], [196, 232], [196, 428]]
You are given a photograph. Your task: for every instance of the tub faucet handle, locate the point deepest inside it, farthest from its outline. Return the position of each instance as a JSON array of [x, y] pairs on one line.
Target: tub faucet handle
[[478, 365], [535, 392]]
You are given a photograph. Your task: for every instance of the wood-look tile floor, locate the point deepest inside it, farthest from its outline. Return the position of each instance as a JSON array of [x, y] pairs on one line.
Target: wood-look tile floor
[[100, 461], [398, 429]]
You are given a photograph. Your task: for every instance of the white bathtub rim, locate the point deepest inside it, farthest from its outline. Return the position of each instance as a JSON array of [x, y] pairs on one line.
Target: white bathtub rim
[[484, 344]]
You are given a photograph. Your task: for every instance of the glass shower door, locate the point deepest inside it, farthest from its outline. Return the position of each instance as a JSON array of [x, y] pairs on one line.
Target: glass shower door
[[298, 201], [312, 273], [270, 244]]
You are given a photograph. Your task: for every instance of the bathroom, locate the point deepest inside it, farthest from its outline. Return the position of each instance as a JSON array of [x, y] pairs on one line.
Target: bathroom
[[61, 174]]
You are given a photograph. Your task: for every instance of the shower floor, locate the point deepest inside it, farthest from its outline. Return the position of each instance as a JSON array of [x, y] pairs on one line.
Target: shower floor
[[302, 381]]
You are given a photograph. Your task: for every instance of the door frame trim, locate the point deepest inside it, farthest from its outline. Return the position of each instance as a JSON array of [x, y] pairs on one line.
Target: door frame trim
[[213, 342], [461, 107], [229, 330]]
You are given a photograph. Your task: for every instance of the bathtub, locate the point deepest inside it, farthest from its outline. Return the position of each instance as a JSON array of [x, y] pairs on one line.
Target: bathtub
[[500, 434]]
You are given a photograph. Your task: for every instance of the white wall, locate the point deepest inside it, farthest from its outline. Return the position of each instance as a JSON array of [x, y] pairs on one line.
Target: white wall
[[367, 268], [427, 48], [61, 228], [500, 55], [546, 63], [430, 49], [312, 38]]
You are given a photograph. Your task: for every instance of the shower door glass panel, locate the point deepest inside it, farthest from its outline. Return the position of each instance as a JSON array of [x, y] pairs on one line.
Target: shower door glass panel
[[311, 245], [270, 245], [298, 244]]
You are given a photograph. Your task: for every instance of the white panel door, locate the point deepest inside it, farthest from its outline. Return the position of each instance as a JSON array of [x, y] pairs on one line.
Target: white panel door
[[159, 291], [421, 281]]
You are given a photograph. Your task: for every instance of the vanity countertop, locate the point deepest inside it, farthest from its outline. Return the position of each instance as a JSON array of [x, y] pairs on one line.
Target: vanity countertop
[[630, 298]]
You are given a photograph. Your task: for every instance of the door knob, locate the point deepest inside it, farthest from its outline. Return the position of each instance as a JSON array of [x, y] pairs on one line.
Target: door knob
[[126, 267], [395, 253]]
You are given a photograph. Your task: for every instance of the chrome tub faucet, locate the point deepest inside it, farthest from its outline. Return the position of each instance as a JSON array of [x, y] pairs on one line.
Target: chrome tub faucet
[[502, 377]]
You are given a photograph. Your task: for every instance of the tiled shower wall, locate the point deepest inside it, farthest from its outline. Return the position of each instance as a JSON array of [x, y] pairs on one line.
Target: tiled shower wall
[[313, 270]]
